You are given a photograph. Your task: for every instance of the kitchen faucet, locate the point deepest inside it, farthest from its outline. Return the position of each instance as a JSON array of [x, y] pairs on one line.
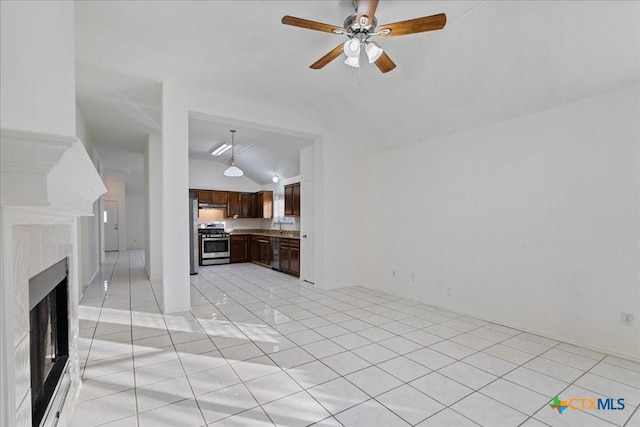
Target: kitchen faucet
[[279, 224]]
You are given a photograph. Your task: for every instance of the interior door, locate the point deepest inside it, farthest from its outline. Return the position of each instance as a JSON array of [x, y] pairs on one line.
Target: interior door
[[110, 219], [307, 224]]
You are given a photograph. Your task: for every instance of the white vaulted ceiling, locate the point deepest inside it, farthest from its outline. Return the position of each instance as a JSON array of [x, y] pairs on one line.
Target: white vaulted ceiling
[[494, 60], [259, 153]]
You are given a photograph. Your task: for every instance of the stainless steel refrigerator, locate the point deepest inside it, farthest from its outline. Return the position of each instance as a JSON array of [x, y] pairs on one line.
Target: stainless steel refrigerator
[[194, 241]]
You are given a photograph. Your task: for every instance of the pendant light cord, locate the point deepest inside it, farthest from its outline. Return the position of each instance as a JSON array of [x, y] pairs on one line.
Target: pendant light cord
[[233, 147]]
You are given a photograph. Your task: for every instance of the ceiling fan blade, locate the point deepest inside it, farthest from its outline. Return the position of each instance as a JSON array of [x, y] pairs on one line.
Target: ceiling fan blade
[[417, 25], [384, 63], [328, 57], [367, 10], [312, 25]]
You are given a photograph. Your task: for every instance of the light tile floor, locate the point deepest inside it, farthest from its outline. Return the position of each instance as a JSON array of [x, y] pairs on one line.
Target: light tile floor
[[261, 348]]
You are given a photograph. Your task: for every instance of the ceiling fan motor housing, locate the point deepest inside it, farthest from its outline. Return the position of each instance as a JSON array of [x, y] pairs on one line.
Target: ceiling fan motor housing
[[354, 27]]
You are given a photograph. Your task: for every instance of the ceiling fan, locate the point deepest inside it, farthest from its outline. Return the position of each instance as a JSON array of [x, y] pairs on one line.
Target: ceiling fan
[[359, 28]]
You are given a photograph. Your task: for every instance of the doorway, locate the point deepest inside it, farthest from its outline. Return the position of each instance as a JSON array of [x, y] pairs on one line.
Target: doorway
[[110, 219]]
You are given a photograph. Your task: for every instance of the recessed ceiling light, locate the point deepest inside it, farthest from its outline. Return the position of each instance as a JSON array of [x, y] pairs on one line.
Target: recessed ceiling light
[[221, 149], [275, 178]]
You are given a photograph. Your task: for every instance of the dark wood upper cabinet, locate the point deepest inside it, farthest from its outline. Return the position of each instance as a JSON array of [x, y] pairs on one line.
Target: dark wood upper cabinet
[[220, 197], [292, 199], [257, 205], [205, 196], [263, 204], [244, 205], [288, 200], [234, 205], [246, 200], [296, 199], [267, 204]]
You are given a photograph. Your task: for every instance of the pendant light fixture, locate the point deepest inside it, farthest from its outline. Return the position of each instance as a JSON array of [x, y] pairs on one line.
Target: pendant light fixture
[[233, 170]]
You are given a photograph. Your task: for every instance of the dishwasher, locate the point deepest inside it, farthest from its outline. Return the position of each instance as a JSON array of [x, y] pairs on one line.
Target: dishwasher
[[275, 253]]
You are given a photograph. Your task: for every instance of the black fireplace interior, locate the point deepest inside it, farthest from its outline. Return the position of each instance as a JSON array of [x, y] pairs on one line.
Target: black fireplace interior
[[48, 335]]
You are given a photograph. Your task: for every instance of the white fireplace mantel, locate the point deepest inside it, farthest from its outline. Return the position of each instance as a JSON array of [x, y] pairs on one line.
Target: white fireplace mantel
[[47, 171], [46, 182]]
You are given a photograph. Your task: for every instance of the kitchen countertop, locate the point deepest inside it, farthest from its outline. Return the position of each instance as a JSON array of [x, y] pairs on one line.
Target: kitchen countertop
[[267, 233]]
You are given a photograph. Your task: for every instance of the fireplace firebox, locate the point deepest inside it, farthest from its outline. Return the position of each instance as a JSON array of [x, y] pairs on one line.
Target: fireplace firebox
[[48, 335]]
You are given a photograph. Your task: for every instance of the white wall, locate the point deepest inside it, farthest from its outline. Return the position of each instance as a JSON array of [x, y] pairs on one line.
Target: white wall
[[136, 221], [116, 192], [37, 64], [153, 203], [90, 245], [533, 222], [208, 175], [37, 94], [174, 148], [336, 215]]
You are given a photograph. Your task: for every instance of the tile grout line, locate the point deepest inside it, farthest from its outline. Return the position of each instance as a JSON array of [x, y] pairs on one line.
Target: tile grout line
[[400, 355], [306, 306], [133, 353], [178, 357], [93, 335]]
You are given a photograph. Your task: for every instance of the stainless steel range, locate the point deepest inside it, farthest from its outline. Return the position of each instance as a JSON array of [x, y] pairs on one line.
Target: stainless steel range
[[214, 245]]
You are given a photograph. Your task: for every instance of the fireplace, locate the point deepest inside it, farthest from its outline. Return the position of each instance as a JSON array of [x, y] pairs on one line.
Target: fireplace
[[47, 182], [48, 336]]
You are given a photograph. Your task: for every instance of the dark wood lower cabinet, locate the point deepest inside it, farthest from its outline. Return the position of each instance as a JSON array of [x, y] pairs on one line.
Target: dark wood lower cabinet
[[239, 248], [260, 250], [290, 256], [257, 249]]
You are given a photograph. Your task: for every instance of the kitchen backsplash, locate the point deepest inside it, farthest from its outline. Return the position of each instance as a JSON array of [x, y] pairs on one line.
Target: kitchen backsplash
[[257, 223]]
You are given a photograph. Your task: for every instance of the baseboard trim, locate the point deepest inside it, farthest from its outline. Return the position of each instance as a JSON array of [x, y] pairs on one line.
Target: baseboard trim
[[608, 352]]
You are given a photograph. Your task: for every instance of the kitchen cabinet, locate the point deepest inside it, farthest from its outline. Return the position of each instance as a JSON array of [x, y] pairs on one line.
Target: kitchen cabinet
[[212, 196], [259, 250], [292, 199], [239, 248], [205, 196], [296, 199], [263, 204], [244, 205], [246, 201], [220, 197], [234, 205], [257, 205], [290, 256]]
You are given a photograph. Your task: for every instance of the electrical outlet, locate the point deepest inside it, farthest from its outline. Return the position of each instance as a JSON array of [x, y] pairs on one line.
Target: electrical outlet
[[448, 290], [626, 319], [413, 277]]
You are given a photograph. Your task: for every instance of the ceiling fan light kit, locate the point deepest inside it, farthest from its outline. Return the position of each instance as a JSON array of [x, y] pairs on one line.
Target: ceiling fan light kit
[[233, 171], [360, 27], [373, 51], [352, 48]]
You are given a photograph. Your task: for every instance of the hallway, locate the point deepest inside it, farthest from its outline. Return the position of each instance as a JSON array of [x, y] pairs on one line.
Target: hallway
[[262, 348]]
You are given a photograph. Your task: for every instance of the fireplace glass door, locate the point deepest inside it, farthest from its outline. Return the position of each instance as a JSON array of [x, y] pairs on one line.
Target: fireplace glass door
[[49, 343]]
